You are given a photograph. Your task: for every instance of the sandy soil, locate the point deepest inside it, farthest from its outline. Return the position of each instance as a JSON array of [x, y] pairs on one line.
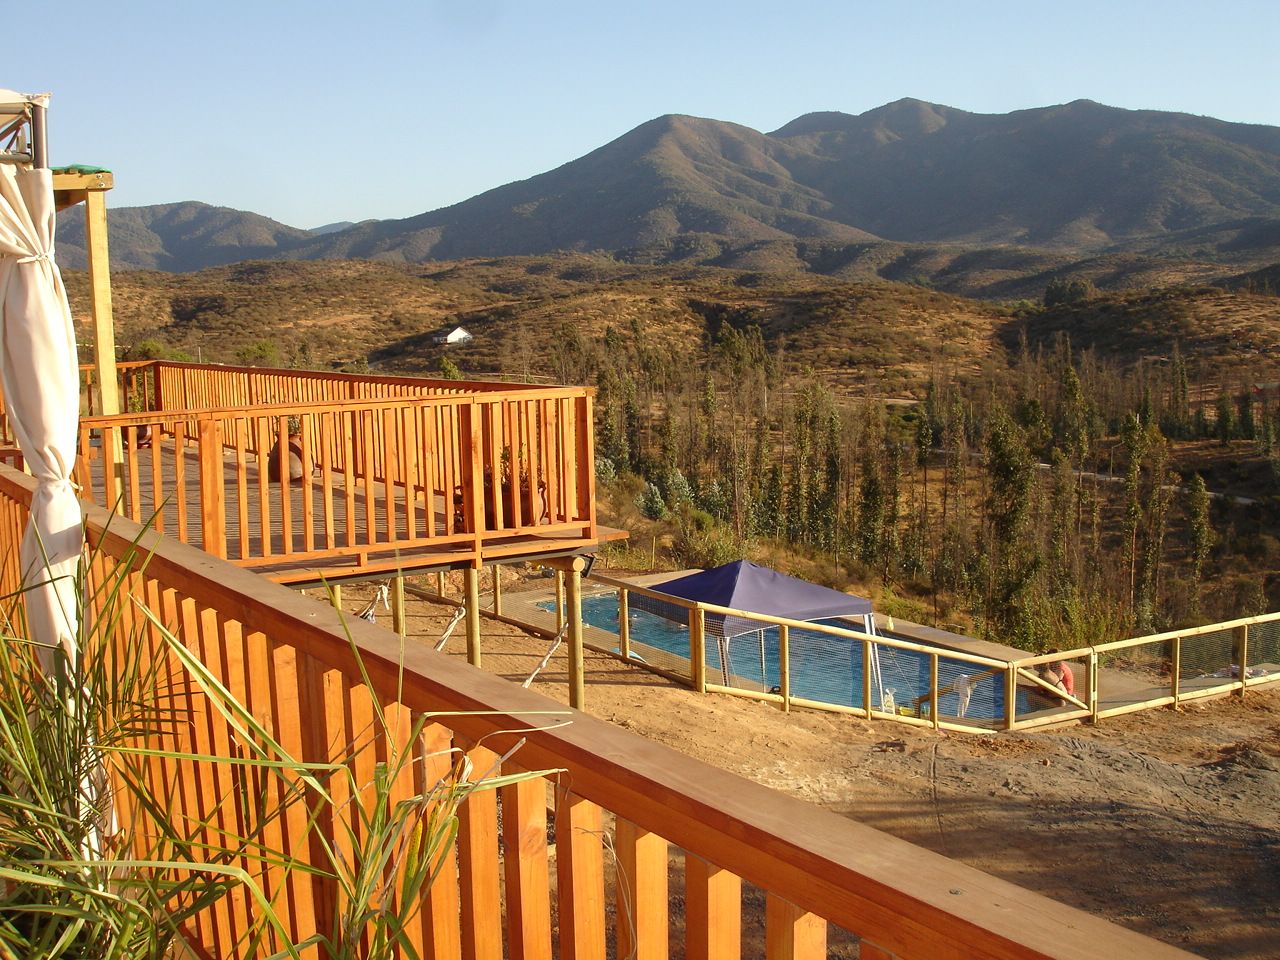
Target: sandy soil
[[1166, 822]]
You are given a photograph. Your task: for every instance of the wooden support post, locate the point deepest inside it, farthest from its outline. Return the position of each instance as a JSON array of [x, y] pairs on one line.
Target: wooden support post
[[104, 331], [624, 623], [213, 507], [698, 648], [577, 666], [792, 933], [784, 666], [641, 888], [497, 590], [569, 614], [399, 622], [713, 911], [335, 596], [440, 583], [1240, 650], [471, 581]]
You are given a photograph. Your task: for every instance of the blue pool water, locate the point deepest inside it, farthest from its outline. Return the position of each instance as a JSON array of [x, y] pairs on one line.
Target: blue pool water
[[824, 668]]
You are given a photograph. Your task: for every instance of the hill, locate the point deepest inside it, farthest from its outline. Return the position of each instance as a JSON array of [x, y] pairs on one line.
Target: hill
[[179, 237], [973, 203], [1076, 177]]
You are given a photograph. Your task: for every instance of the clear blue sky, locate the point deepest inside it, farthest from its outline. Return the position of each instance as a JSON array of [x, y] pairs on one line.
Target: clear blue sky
[[311, 112]]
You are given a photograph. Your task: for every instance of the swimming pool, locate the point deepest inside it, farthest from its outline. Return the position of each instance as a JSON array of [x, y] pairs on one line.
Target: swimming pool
[[824, 668]]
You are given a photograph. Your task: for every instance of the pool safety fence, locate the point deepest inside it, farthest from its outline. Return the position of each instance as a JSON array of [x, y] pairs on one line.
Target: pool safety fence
[[841, 666]]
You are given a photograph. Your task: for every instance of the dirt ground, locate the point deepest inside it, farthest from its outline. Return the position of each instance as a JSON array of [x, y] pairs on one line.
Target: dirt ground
[[1166, 822]]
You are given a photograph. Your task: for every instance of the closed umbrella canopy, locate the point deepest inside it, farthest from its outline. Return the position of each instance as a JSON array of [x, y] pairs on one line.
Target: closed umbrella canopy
[[40, 376]]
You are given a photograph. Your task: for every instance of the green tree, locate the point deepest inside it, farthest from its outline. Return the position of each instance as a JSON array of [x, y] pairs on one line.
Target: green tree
[[448, 370]]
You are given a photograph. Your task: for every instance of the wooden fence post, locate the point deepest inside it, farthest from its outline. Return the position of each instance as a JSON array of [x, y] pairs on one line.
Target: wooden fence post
[[1010, 696], [1175, 670], [698, 648], [1242, 656], [784, 666], [624, 623]]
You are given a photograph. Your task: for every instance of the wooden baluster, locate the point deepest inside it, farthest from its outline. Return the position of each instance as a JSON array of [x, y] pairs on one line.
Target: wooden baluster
[[641, 888], [497, 432], [286, 484], [326, 477], [528, 888], [416, 483], [442, 907], [478, 872], [266, 547], [713, 911], [291, 691], [792, 933], [551, 457], [369, 469], [390, 470], [131, 467], [180, 493], [347, 424], [580, 877], [213, 507], [158, 505], [307, 439], [587, 467], [239, 428]]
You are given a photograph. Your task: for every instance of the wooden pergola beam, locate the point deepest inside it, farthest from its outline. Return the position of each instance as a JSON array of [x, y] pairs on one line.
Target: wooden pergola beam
[[70, 188]]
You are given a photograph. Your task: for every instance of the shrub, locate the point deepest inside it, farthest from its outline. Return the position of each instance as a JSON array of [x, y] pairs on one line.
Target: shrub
[[651, 504]]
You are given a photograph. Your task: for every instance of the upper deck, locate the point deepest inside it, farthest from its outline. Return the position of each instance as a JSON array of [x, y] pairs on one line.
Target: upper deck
[[374, 474]]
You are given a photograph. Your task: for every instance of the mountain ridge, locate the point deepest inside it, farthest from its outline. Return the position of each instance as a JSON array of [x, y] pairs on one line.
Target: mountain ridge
[[1079, 178]]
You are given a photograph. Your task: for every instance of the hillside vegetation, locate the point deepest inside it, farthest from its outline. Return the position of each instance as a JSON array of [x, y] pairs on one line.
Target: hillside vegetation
[[877, 434]]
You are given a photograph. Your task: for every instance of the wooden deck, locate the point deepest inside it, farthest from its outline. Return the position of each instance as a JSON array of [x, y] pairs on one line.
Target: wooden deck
[[301, 531]]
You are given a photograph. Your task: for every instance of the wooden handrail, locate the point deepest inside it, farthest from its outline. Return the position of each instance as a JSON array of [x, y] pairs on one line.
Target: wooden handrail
[[380, 476], [900, 898]]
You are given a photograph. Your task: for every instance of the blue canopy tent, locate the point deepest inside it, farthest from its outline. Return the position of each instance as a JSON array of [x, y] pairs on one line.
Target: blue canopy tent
[[743, 585]]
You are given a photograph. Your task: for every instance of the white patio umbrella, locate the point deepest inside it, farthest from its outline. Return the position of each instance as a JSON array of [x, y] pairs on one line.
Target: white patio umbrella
[[40, 376]]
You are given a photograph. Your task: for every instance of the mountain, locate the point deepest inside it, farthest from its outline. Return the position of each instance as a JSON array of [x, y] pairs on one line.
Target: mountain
[[1064, 182], [179, 237]]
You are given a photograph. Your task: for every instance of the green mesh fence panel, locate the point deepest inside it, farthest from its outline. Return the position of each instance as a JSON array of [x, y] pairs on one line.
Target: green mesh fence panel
[[1208, 660], [1264, 649], [1134, 674]]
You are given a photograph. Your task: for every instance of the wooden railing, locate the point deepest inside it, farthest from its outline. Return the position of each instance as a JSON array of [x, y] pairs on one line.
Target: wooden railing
[[467, 475], [195, 386], [620, 805]]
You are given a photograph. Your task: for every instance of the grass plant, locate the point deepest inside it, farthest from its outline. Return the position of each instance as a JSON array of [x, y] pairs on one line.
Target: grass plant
[[103, 854]]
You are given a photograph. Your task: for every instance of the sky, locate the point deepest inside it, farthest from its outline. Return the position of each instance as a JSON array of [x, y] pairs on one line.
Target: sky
[[315, 112]]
